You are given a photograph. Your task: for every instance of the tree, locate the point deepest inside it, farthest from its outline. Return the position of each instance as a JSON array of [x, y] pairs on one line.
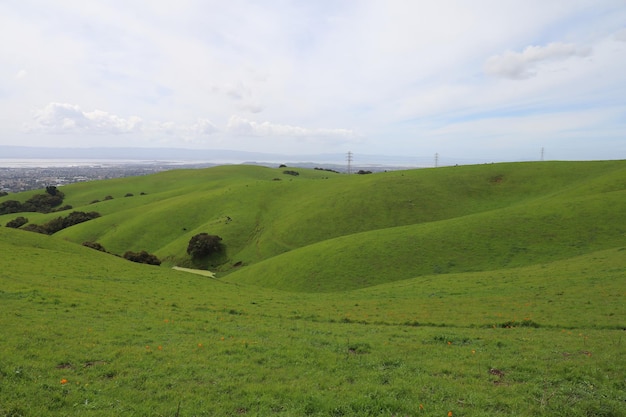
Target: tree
[[10, 206], [204, 244], [142, 257], [94, 245], [17, 222], [52, 190]]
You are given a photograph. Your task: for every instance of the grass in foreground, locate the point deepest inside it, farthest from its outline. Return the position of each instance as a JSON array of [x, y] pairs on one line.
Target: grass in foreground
[[84, 333]]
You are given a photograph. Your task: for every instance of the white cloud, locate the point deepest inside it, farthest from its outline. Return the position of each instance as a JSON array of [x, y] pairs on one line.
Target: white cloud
[[393, 70], [203, 127], [68, 118], [240, 126], [63, 118], [523, 65]]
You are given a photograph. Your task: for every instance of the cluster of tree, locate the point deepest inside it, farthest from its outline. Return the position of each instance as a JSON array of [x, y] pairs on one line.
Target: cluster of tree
[[95, 245], [290, 172], [17, 222], [326, 169], [141, 257], [362, 172], [204, 244], [61, 223], [41, 203]]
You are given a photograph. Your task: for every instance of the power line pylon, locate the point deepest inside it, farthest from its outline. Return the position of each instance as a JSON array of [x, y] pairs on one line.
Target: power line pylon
[[349, 159]]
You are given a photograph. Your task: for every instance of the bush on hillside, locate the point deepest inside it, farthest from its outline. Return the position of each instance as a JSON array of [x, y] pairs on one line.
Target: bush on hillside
[[53, 190], [61, 223], [10, 206], [17, 222], [3, 193], [290, 172], [204, 244], [94, 245], [71, 219], [41, 203], [32, 227], [142, 257]]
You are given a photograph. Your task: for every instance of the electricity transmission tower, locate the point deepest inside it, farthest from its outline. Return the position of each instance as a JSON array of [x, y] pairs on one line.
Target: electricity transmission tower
[[349, 159], [542, 152], [436, 160]]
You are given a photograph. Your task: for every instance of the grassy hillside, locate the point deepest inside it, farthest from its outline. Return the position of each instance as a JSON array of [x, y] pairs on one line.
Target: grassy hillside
[[340, 232], [85, 333], [477, 291]]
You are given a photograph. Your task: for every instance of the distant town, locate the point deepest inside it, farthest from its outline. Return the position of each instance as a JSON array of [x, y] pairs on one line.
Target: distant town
[[24, 178], [15, 179], [24, 168]]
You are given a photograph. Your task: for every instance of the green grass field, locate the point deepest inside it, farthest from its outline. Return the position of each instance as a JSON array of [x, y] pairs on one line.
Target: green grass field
[[478, 291]]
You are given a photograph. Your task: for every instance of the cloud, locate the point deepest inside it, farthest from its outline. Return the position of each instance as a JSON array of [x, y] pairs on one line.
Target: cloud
[[69, 118], [64, 118], [241, 126], [203, 127], [522, 65]]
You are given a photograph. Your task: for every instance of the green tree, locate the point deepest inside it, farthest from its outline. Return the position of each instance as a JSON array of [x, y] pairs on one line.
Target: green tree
[[94, 245], [142, 257], [10, 206], [17, 222], [204, 244]]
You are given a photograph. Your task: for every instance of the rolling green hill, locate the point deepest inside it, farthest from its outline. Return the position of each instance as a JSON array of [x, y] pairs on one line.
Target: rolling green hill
[[476, 290], [323, 231]]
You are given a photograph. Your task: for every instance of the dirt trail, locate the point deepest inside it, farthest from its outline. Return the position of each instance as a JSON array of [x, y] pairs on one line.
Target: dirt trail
[[195, 271]]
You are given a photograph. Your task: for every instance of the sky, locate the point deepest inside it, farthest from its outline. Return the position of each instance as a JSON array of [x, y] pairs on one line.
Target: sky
[[483, 79]]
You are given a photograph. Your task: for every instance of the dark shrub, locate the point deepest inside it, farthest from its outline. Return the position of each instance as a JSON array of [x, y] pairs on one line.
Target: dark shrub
[[94, 245], [289, 172], [61, 223], [52, 190], [10, 206], [42, 203], [71, 219], [35, 228], [54, 225], [128, 195], [108, 197], [3, 193], [203, 244], [142, 257], [17, 222]]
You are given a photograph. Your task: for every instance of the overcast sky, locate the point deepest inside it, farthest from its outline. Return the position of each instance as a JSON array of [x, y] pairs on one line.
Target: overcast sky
[[495, 80]]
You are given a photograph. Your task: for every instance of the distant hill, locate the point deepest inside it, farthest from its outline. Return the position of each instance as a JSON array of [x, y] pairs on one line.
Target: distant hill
[[337, 161]]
